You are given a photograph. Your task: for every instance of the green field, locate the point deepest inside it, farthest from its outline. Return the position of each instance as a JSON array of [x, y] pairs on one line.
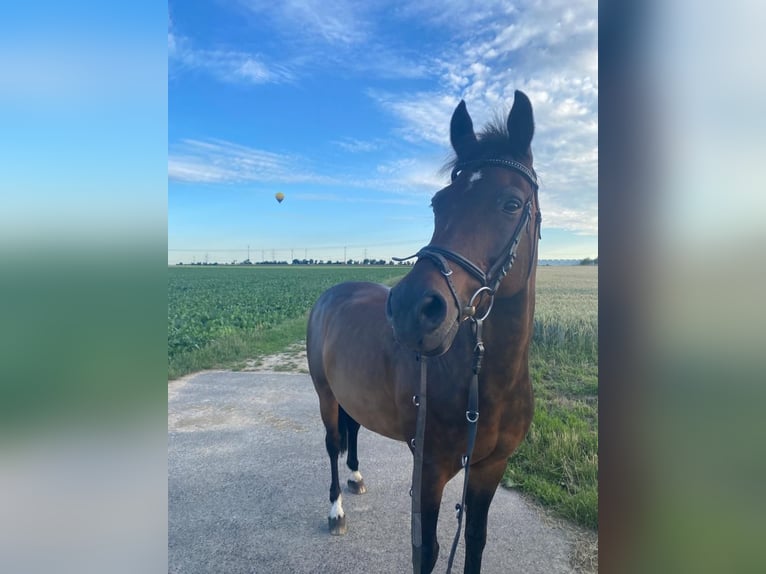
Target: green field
[[220, 316]]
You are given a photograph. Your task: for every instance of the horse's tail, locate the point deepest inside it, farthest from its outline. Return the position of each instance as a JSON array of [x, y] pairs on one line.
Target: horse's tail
[[343, 419]]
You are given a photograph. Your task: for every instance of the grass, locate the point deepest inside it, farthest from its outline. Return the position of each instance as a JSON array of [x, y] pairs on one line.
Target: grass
[[219, 317], [557, 464], [231, 349]]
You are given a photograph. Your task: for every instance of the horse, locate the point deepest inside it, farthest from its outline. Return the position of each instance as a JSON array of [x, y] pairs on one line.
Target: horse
[[462, 318]]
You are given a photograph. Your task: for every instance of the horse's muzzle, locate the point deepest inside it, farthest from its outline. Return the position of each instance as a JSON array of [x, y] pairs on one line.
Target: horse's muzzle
[[422, 320]]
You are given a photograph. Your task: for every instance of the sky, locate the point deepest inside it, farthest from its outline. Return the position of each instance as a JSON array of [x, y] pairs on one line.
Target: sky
[[344, 107]]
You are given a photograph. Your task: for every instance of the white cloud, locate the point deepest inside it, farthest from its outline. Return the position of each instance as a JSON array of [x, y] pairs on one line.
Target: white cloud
[[226, 162], [443, 14], [229, 66], [354, 145], [424, 116], [219, 161], [582, 221], [191, 171], [336, 22], [342, 35], [549, 52]]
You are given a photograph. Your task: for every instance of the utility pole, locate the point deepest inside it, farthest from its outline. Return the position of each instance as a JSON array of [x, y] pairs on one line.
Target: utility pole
[[344, 256], [248, 252]]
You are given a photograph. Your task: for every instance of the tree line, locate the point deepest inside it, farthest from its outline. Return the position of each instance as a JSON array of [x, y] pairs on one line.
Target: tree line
[[305, 262]]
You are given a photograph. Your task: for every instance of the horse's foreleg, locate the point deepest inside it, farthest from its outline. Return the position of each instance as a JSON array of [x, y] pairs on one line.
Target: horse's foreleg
[[424, 558], [356, 482], [482, 484], [330, 411]]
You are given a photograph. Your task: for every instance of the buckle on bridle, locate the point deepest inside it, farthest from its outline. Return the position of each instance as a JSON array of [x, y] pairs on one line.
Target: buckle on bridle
[[472, 303]]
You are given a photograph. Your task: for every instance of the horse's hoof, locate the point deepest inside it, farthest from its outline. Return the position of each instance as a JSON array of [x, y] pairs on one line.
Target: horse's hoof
[[337, 525], [355, 487]]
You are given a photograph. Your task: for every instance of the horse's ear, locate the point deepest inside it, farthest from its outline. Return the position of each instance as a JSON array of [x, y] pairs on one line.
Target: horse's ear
[[461, 133], [521, 124]]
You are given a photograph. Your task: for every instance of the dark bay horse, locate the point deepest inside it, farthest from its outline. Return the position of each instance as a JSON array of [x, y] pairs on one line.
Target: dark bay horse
[[366, 343]]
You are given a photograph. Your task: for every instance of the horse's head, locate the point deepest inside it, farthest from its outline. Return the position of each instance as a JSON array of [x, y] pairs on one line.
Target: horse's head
[[486, 221]]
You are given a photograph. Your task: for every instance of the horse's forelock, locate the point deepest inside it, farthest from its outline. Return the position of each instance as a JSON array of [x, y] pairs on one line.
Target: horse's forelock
[[492, 142]]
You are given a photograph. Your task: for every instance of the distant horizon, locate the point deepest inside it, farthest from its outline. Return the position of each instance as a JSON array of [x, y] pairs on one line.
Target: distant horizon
[[321, 262]]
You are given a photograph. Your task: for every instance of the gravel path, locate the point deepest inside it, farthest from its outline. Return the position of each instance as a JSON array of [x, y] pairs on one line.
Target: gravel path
[[248, 481]]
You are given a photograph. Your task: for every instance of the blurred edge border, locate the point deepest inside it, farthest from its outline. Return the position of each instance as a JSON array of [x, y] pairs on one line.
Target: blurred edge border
[[623, 209], [84, 340], [680, 282], [83, 288]]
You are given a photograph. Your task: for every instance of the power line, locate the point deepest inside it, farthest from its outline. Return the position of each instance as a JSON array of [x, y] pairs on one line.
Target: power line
[[313, 247], [378, 251]]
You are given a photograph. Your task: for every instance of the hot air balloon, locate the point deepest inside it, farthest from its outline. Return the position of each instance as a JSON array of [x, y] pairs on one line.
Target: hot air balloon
[[280, 196]]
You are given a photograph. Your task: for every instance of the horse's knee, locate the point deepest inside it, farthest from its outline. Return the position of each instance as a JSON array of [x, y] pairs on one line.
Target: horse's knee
[[476, 535]]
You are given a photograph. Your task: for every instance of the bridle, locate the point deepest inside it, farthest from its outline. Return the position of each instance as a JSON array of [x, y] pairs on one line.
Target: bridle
[[489, 283]]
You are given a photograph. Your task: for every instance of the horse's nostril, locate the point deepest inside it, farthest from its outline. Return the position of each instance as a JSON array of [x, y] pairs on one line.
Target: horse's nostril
[[433, 311]]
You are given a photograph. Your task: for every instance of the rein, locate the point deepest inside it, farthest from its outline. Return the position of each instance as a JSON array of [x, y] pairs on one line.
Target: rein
[[490, 282]]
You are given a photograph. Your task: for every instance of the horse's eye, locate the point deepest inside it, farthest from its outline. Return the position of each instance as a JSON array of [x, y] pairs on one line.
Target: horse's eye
[[512, 205]]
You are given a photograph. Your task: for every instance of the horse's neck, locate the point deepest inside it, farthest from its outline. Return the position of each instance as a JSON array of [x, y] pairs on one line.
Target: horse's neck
[[508, 330]]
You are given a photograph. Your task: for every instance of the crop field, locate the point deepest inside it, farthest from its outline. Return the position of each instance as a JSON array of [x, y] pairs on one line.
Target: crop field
[[220, 316], [566, 311], [558, 461]]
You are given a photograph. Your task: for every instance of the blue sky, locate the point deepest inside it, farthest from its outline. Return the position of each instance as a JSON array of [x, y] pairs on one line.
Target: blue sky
[[345, 106]]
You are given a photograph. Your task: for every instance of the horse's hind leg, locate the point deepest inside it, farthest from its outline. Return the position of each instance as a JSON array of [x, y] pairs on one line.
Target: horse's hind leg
[[356, 482], [330, 409]]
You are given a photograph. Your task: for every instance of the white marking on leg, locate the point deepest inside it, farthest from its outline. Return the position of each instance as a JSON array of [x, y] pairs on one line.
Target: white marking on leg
[[337, 508], [356, 476]]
